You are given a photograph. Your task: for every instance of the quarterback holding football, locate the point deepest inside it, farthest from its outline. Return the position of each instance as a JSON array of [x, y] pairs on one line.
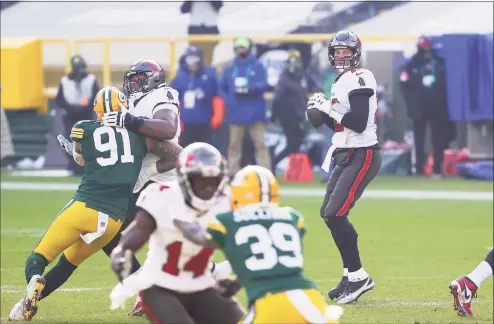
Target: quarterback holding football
[[355, 153]]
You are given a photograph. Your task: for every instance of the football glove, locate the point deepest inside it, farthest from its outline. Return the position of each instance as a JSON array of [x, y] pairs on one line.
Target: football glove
[[121, 262], [66, 145], [123, 119], [229, 287], [318, 101]]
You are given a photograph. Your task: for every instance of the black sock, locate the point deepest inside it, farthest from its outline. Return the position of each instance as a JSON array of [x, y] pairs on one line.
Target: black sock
[[113, 244], [340, 248], [490, 259], [35, 265], [58, 275], [345, 237]]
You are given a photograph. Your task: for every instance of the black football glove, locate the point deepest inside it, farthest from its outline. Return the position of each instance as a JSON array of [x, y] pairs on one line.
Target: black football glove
[[229, 287], [121, 262]]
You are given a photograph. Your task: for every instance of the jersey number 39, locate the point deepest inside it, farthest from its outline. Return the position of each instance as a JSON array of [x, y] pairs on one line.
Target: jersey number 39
[[281, 237], [111, 146]]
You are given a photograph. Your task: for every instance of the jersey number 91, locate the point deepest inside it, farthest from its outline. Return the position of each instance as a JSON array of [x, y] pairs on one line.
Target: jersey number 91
[[111, 146]]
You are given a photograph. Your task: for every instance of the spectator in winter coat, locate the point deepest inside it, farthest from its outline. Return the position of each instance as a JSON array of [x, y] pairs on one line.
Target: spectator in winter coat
[[76, 93], [423, 84], [242, 87], [289, 104], [201, 109]]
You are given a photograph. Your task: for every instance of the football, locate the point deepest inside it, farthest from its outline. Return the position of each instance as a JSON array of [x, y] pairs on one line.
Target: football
[[317, 118]]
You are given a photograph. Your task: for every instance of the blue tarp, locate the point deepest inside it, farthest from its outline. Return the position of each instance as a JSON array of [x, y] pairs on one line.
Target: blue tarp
[[476, 170], [469, 74]]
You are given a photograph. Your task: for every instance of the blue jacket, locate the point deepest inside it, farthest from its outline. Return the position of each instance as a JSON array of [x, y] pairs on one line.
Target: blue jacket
[[245, 108], [204, 83]]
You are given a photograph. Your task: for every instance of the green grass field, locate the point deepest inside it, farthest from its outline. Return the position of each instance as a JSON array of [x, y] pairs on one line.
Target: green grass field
[[412, 248]]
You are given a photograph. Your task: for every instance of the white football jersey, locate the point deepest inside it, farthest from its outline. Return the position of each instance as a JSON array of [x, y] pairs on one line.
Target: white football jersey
[[173, 262], [344, 85], [162, 97]]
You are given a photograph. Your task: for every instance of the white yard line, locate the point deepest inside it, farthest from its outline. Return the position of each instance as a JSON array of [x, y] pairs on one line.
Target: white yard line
[[296, 192], [412, 304], [20, 289]]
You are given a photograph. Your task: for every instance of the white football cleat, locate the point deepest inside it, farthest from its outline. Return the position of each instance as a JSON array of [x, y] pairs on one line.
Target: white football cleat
[[34, 289], [17, 312]]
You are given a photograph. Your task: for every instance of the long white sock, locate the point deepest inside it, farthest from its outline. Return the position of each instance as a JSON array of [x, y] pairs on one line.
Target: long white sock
[[345, 272], [358, 275], [481, 273]]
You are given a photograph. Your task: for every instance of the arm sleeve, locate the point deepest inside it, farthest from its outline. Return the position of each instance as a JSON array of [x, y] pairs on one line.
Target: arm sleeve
[[356, 119], [360, 89], [77, 132], [217, 230]]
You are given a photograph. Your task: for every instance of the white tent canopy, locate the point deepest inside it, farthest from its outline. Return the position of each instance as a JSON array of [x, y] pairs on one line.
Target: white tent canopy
[[75, 20], [427, 18]]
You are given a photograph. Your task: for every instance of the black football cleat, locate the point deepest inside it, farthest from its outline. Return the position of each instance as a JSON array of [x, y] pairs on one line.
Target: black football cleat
[[337, 291], [353, 290]]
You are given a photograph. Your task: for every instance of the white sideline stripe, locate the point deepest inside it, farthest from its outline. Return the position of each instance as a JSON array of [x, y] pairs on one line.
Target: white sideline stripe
[[414, 304], [294, 192], [19, 289]]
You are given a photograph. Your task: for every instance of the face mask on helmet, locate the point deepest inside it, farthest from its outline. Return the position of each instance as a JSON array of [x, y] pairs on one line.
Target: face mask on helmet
[[343, 57]]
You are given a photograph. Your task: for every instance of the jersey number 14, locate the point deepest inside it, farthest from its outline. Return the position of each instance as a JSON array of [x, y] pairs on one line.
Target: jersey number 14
[[111, 146]]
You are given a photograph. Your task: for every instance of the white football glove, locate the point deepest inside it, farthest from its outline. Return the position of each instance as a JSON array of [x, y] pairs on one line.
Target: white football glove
[[67, 146], [318, 101], [115, 118], [337, 111]]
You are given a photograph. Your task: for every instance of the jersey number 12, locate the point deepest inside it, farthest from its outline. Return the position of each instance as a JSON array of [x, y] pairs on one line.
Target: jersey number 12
[[112, 146]]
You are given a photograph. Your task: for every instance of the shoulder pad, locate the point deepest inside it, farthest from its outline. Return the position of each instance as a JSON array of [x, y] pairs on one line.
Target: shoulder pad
[[83, 128], [166, 95]]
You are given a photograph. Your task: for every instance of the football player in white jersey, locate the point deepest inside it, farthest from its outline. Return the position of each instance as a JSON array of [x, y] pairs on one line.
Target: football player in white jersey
[[355, 153], [153, 112], [175, 283]]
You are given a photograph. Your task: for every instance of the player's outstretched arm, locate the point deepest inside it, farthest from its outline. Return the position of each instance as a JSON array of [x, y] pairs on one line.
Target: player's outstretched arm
[[196, 234], [133, 238], [163, 125]]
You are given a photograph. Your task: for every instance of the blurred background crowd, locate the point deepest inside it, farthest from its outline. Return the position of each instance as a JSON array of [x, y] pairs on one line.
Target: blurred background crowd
[[245, 92]]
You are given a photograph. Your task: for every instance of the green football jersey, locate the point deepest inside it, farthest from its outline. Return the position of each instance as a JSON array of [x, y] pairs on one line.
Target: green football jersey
[[264, 247], [113, 158]]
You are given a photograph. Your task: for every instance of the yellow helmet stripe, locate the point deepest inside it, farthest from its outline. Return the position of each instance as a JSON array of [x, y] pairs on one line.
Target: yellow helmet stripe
[[264, 186], [107, 100]]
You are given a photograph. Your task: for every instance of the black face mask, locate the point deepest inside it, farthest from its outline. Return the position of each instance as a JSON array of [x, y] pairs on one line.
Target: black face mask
[[243, 55]]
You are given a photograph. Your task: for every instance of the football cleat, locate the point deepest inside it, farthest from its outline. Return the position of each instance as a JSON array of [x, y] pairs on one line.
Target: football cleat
[[337, 291], [17, 312], [34, 289], [353, 290], [463, 291], [138, 309]]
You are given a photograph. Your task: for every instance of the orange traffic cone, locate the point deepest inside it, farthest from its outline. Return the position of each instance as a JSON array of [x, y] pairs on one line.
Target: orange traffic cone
[[299, 168]]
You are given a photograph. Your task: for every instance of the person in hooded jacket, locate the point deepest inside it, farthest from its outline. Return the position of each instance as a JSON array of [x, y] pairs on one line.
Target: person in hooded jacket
[[242, 86], [423, 85], [75, 96], [288, 105], [201, 109]]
